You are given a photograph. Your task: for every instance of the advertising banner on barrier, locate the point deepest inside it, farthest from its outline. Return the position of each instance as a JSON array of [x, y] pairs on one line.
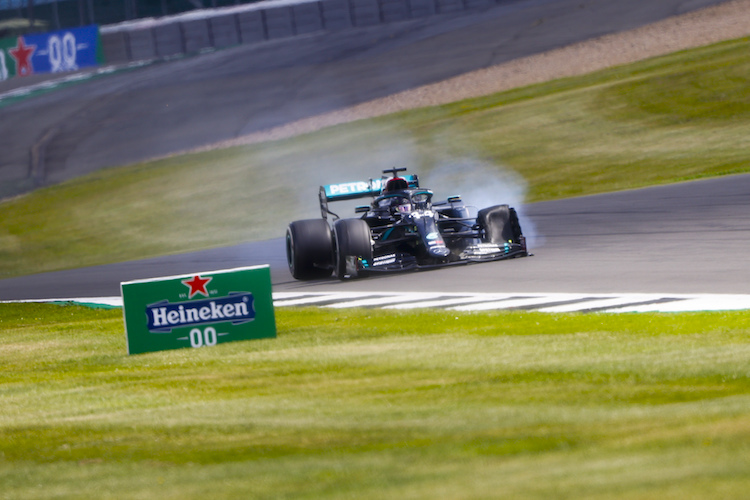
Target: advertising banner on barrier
[[198, 310], [55, 52]]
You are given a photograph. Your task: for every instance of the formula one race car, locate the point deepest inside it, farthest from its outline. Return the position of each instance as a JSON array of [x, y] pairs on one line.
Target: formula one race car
[[401, 229]]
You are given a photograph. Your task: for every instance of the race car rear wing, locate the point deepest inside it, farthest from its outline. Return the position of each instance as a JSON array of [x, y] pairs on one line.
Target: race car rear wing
[[353, 190]]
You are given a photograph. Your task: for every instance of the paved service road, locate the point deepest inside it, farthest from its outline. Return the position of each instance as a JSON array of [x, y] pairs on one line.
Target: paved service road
[[163, 108], [682, 238]]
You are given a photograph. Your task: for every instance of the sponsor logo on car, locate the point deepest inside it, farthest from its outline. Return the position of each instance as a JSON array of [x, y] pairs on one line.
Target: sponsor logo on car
[[359, 188], [348, 188]]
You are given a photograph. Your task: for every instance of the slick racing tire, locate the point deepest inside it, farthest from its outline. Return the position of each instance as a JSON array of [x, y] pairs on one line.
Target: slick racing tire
[[352, 242], [500, 224], [309, 249]]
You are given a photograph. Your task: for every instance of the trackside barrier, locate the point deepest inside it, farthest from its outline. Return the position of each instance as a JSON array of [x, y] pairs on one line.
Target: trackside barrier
[[223, 29]]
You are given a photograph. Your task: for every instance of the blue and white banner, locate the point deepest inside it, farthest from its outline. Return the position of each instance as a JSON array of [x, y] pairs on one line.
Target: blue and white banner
[[55, 52], [22, 4]]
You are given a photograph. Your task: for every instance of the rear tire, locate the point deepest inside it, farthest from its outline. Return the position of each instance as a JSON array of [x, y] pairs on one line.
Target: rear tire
[[500, 224], [352, 242], [309, 249]]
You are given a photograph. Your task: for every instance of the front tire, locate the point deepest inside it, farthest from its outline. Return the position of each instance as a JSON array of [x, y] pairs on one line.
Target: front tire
[[500, 224], [309, 249], [352, 242]]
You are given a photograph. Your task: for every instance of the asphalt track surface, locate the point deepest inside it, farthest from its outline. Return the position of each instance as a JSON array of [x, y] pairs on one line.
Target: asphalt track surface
[[684, 238]]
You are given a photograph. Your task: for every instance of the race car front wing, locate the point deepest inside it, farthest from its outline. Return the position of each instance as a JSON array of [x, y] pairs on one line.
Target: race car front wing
[[481, 252]]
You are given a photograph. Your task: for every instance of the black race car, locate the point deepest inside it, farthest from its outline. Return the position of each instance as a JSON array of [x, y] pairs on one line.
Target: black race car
[[401, 229]]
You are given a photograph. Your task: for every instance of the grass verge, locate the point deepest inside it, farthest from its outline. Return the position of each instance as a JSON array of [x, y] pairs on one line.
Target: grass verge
[[348, 403], [672, 118]]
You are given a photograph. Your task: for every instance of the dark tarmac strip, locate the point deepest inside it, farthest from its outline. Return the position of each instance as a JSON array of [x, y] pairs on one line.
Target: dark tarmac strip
[[687, 238]]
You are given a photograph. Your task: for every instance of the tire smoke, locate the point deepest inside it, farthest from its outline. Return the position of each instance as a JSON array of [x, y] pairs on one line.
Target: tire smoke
[[482, 184]]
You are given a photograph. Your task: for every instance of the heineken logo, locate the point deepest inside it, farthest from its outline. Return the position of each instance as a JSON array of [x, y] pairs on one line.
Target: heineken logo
[[236, 308], [198, 310], [197, 285]]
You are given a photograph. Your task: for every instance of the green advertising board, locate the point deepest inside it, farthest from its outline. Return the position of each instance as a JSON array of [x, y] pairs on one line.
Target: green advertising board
[[198, 310], [7, 63]]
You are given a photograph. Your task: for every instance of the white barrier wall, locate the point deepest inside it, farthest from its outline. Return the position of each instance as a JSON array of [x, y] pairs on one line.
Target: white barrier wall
[[176, 36]]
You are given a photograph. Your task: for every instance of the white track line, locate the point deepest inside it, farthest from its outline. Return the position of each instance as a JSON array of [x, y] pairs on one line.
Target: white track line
[[102, 301], [384, 301], [543, 302], [310, 299], [603, 303], [521, 302], [447, 302], [694, 303]]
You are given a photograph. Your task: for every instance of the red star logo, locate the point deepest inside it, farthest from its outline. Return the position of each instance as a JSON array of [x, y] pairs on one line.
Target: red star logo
[[22, 54], [197, 285]]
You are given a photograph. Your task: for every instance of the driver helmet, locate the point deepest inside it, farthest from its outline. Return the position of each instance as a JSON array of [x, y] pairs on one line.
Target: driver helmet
[[395, 184]]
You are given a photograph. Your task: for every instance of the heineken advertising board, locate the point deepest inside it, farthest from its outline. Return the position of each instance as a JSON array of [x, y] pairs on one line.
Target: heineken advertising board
[[55, 52], [198, 310]]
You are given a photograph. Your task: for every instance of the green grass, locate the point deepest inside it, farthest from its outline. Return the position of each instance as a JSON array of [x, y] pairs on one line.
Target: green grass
[[357, 404], [678, 117]]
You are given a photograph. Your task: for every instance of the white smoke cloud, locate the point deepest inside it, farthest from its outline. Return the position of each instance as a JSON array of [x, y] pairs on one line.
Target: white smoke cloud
[[362, 153], [482, 184]]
